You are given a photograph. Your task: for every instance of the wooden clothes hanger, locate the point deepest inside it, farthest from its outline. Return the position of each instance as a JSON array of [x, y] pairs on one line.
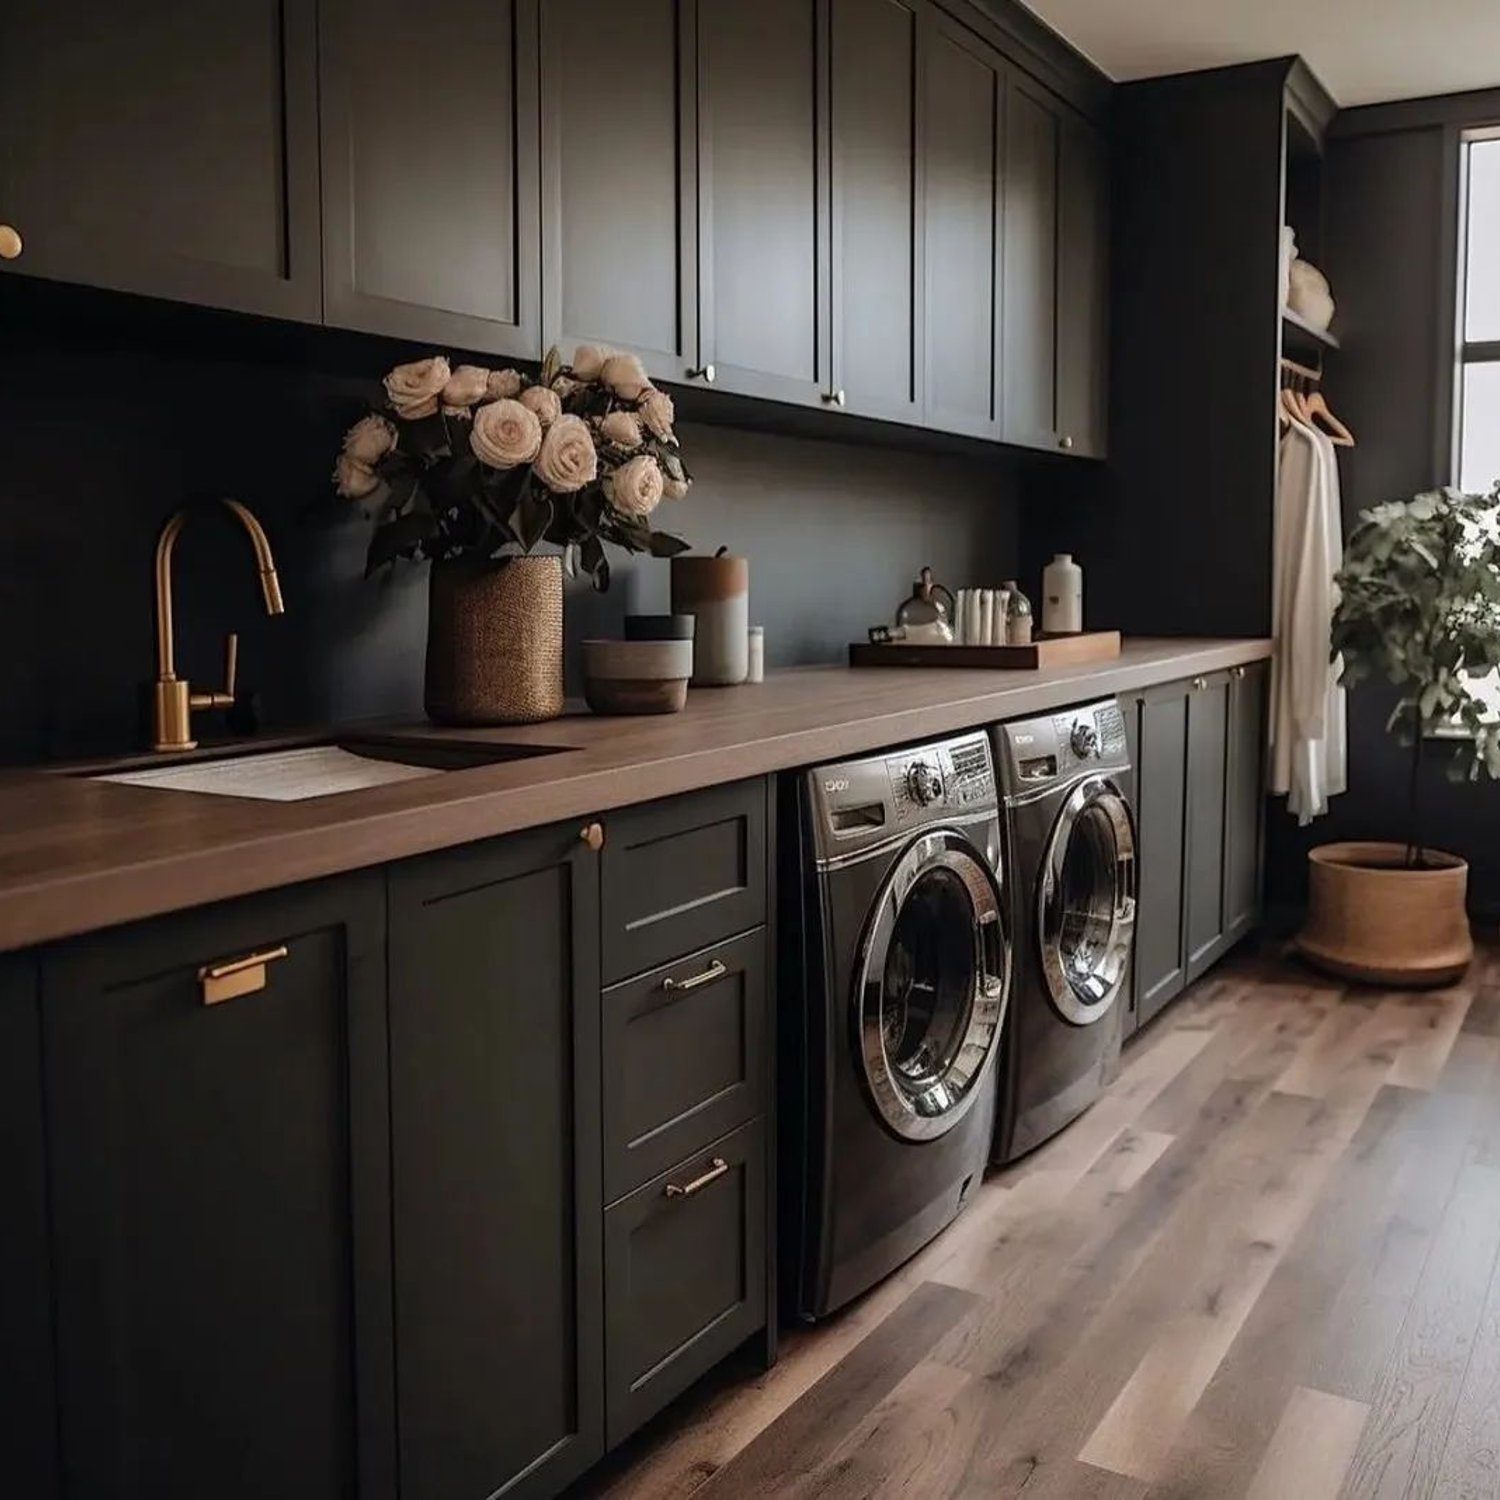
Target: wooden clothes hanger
[[1311, 406]]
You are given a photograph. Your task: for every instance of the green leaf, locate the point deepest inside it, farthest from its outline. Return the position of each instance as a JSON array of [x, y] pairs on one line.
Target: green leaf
[[663, 544], [404, 536], [531, 516]]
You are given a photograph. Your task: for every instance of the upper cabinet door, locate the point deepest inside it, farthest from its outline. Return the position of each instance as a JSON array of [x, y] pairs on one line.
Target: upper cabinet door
[[963, 96], [876, 197], [166, 147], [1083, 291], [431, 204], [619, 179], [762, 197], [1029, 332]]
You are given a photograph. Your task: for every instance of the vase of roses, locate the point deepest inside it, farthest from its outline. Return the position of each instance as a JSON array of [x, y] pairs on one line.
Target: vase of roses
[[473, 470]]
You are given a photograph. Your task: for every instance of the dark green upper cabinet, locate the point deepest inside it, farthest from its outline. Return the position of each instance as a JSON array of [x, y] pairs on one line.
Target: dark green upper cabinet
[[877, 249], [963, 91], [165, 147], [619, 177], [762, 198], [1083, 291], [220, 1201], [431, 225], [495, 1100]]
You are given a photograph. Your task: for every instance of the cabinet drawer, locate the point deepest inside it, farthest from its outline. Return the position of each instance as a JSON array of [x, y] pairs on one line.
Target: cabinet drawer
[[686, 1058], [682, 874], [684, 1275]]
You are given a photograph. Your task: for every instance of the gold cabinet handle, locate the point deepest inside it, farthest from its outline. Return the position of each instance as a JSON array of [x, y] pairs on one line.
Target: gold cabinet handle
[[1238, 673], [592, 834], [1065, 441], [717, 1167], [10, 242], [715, 970], [233, 977], [834, 398], [1199, 683]]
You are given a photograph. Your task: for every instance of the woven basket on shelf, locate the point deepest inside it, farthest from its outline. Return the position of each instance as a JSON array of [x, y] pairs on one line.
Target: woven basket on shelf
[[495, 641]]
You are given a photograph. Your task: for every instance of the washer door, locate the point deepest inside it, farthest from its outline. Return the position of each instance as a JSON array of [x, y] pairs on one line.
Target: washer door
[[931, 986], [1085, 905]]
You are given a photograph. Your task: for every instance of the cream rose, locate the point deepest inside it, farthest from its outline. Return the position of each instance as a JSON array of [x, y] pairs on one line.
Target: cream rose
[[353, 479], [567, 461], [546, 404], [369, 440], [622, 428], [675, 489], [413, 389], [588, 360], [505, 434], [658, 413], [466, 385], [503, 384], [636, 486], [625, 375]]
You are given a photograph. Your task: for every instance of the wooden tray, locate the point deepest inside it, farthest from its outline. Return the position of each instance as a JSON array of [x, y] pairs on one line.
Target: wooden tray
[[1044, 651]]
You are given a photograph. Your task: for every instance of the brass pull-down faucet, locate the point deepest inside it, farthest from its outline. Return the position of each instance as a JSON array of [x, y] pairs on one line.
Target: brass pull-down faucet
[[172, 700]]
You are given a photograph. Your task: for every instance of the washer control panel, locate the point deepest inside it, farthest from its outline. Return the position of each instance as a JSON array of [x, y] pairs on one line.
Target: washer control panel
[[1037, 751]]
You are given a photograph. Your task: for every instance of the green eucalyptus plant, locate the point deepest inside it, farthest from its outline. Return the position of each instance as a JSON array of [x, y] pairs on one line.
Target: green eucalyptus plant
[[1420, 603]]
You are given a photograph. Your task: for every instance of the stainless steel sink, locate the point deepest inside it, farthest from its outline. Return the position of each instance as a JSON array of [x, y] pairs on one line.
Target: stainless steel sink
[[295, 772]]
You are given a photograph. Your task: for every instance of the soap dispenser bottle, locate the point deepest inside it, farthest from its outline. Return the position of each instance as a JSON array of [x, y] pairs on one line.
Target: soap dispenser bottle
[[1062, 596]]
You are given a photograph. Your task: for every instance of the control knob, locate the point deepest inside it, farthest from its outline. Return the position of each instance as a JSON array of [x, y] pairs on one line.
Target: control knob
[[924, 783], [1084, 740]]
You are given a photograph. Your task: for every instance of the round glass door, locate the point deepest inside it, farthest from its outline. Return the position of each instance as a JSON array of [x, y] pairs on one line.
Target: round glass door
[[1086, 902], [932, 986]]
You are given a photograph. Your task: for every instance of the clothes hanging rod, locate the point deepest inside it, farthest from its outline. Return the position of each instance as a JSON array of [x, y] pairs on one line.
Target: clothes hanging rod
[[1305, 371]]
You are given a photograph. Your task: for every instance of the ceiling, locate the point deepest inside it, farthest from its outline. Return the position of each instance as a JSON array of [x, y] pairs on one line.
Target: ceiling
[[1364, 51]]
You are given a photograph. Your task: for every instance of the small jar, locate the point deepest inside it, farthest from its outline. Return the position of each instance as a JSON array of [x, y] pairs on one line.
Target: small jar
[[756, 642], [1018, 626]]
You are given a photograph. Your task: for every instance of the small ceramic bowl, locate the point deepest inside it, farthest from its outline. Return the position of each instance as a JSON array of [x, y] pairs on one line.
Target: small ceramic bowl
[[637, 677], [659, 627]]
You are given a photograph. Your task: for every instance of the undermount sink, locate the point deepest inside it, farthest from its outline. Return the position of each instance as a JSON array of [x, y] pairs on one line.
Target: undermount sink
[[297, 772]]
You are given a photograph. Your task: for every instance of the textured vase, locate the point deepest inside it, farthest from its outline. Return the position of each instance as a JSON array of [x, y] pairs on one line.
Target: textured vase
[[495, 641]]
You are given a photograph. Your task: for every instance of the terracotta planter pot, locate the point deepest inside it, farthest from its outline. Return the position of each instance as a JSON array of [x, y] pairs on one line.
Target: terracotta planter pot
[[1370, 918], [495, 641]]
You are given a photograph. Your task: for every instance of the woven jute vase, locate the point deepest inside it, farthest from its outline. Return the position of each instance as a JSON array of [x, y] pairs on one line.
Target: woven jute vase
[[495, 641], [1370, 918]]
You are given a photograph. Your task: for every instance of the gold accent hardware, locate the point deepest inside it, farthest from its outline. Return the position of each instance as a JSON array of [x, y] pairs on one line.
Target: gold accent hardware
[[705, 373], [717, 1167], [173, 701], [593, 835], [1199, 683], [10, 242], [715, 970], [1065, 441], [834, 398], [237, 976], [1238, 673]]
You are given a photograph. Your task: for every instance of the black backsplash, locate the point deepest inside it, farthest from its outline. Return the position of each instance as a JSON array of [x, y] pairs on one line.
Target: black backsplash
[[116, 411]]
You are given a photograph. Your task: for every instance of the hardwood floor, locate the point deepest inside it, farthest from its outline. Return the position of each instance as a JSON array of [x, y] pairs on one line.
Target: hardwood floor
[[1264, 1265]]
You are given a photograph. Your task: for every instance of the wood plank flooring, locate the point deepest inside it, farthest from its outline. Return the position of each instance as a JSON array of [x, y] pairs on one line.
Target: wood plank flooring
[[1264, 1265]]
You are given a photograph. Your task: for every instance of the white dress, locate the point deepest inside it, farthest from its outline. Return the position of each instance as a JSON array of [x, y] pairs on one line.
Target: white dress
[[1308, 754]]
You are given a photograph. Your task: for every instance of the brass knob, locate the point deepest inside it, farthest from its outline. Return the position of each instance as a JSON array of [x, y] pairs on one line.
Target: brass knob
[[1199, 683], [1065, 441], [592, 834], [1238, 673], [706, 373], [10, 242], [834, 398]]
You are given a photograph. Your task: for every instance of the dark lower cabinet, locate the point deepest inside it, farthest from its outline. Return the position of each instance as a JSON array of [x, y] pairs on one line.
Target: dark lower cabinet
[[495, 1136], [165, 147], [431, 213], [1207, 792], [220, 1201], [1244, 826], [685, 1273]]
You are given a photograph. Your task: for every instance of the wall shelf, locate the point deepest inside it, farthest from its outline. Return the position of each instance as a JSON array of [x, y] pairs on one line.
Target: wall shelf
[[1298, 334]]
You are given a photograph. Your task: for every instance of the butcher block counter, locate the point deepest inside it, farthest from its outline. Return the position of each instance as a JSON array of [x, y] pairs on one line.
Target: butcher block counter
[[78, 854]]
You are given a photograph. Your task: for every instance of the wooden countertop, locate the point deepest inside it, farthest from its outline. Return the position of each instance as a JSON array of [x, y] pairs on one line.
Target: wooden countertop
[[76, 855]]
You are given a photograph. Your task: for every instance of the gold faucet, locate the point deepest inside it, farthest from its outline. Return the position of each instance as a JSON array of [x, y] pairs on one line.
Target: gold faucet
[[172, 701]]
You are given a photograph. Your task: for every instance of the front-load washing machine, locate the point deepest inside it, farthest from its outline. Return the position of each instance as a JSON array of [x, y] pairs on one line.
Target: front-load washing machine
[[894, 980], [1065, 784]]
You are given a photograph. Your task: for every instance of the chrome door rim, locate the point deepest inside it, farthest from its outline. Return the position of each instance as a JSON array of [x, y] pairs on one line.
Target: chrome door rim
[[1091, 792], [935, 1110]]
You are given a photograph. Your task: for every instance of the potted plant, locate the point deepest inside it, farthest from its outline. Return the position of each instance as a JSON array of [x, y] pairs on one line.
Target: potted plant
[[472, 470], [1419, 602]]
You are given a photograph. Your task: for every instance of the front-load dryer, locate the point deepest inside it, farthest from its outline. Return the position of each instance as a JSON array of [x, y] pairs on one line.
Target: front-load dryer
[[1065, 783], [893, 991]]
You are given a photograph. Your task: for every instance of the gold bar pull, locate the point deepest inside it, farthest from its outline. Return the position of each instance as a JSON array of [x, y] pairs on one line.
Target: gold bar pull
[[717, 1167], [237, 976], [715, 970]]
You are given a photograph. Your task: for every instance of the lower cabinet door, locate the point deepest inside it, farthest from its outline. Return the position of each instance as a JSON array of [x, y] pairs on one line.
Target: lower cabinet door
[[685, 1274], [1160, 756], [1245, 800], [1203, 866], [218, 1155], [494, 994]]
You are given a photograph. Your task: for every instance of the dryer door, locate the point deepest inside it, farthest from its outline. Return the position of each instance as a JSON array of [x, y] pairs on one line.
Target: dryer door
[[931, 986], [1085, 902]]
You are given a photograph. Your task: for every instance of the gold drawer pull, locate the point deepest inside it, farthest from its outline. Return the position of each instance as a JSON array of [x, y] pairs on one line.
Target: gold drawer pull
[[717, 1167], [714, 971], [1238, 673], [592, 834], [10, 242], [237, 976]]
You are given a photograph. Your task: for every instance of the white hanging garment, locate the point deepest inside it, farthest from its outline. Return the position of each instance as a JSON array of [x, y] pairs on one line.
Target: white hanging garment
[[1308, 757]]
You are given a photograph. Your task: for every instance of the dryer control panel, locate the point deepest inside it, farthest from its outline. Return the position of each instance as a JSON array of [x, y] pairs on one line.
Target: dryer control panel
[[1035, 752]]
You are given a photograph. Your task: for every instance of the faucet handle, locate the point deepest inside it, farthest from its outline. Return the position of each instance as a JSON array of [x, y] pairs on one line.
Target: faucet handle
[[224, 698]]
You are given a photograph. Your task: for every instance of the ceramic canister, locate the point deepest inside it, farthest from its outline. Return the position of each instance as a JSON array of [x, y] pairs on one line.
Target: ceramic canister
[[717, 591]]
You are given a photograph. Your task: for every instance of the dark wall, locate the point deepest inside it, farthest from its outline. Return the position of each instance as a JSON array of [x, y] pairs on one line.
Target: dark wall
[[114, 412], [1391, 257]]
